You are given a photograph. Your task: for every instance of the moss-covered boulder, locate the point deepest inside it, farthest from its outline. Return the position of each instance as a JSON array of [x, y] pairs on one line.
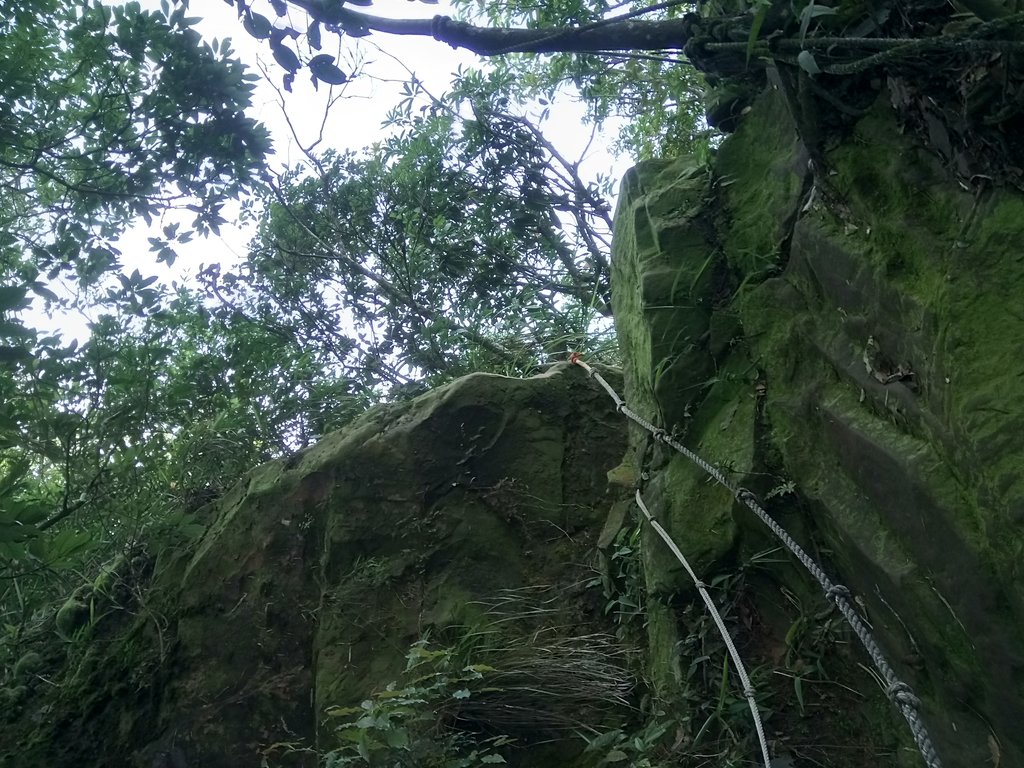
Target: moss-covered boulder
[[317, 573]]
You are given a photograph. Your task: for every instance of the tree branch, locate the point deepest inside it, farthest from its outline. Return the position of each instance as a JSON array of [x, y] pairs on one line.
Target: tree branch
[[609, 35]]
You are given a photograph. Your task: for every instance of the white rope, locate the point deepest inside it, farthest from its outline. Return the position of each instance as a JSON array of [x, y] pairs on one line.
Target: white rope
[[748, 689], [898, 691]]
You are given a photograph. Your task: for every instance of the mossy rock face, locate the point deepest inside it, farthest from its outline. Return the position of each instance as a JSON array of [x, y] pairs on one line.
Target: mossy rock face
[[877, 381], [27, 666], [11, 699], [318, 572], [685, 371], [663, 305], [73, 616], [901, 407]]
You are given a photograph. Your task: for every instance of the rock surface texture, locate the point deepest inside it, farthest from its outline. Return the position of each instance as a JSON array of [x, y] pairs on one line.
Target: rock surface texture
[[316, 573], [848, 345]]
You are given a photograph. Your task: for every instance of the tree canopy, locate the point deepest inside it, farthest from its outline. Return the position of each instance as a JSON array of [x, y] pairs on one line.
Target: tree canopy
[[113, 113], [463, 241], [110, 114]]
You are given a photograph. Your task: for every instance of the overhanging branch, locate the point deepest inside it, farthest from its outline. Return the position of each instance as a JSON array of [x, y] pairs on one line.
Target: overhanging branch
[[608, 35]]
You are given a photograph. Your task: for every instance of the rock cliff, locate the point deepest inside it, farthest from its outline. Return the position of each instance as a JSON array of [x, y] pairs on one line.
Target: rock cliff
[[842, 336]]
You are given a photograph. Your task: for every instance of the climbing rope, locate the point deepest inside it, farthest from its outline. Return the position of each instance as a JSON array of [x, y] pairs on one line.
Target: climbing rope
[[898, 691], [748, 689]]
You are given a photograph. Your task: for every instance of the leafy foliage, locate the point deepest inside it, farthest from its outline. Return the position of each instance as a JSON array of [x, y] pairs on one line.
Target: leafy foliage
[[463, 242], [113, 113], [405, 724], [102, 123], [508, 681], [128, 434], [110, 113], [656, 100]]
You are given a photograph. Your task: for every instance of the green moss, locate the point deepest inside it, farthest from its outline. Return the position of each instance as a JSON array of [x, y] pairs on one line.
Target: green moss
[[72, 616], [28, 666], [891, 395], [110, 576], [11, 699], [760, 174], [662, 651], [696, 511], [904, 216], [665, 276]]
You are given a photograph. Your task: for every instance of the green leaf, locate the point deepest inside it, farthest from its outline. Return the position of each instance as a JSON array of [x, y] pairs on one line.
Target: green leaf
[[755, 27], [807, 63], [604, 740], [343, 711], [12, 297], [14, 354], [355, 30], [65, 545], [16, 329], [286, 57], [15, 534], [323, 68], [11, 551], [397, 738], [362, 747], [24, 512], [257, 25], [811, 11], [41, 290]]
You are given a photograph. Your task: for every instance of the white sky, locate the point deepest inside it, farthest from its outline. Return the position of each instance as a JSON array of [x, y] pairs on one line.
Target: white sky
[[354, 122]]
